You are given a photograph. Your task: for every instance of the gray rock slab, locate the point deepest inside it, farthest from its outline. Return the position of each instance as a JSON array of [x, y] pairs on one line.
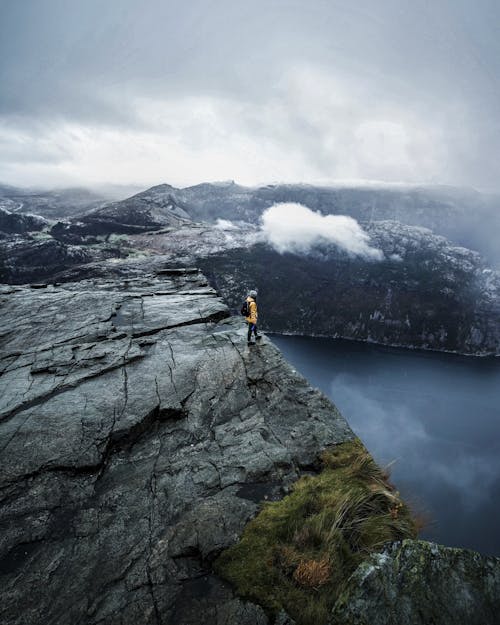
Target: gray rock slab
[[138, 434]]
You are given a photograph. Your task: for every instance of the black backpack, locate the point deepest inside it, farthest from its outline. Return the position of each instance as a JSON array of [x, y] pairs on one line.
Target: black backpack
[[245, 311]]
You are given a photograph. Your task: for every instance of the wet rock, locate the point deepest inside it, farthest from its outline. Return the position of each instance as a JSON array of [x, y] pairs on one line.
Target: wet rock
[[132, 419], [419, 583]]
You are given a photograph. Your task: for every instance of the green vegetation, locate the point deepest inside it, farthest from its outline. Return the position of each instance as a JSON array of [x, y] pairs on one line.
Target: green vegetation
[[298, 552]]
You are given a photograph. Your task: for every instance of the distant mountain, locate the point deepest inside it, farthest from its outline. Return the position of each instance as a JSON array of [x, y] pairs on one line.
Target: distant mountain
[[155, 207], [465, 216], [149, 210], [32, 260], [27, 254], [55, 204]]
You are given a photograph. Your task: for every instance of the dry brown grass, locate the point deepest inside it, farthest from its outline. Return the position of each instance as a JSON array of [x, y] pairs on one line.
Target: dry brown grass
[[313, 573]]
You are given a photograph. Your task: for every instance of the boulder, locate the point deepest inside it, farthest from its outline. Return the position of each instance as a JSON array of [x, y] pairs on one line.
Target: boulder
[[421, 583]]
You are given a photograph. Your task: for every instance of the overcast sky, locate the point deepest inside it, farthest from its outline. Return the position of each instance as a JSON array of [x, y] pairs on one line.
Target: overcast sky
[[150, 91]]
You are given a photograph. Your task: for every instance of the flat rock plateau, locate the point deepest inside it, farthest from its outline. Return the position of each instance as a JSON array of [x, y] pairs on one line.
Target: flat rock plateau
[[138, 435]]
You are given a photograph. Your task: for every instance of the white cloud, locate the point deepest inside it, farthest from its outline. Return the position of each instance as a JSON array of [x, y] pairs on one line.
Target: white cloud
[[225, 224], [296, 228]]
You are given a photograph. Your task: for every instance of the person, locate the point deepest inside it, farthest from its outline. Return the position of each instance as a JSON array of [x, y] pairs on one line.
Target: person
[[251, 319]]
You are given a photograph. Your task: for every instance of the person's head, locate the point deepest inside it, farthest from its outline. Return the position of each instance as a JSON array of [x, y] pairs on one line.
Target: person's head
[[253, 294]]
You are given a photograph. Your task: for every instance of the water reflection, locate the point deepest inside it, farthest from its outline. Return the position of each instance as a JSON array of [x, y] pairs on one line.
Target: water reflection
[[436, 416]]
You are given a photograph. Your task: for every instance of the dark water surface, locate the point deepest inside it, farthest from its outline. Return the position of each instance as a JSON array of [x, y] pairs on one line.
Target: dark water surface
[[436, 415]]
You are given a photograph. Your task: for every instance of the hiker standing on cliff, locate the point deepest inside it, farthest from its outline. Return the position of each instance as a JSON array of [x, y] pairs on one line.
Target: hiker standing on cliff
[[251, 316]]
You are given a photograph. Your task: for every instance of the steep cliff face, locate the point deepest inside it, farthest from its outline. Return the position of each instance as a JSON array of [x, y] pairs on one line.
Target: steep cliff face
[[138, 434]]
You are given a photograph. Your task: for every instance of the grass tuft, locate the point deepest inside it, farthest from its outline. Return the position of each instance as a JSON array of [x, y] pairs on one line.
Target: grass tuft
[[297, 553], [312, 573]]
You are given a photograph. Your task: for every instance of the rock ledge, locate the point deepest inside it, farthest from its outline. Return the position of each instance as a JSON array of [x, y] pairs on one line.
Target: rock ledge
[[138, 434]]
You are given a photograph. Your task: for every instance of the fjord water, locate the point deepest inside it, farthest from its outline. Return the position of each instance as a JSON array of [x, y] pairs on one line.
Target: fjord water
[[436, 417]]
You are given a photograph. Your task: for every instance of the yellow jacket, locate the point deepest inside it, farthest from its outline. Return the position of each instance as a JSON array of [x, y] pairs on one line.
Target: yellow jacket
[[252, 308]]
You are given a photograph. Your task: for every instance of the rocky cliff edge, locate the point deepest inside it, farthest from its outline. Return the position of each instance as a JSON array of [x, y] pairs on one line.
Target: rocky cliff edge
[[138, 433]]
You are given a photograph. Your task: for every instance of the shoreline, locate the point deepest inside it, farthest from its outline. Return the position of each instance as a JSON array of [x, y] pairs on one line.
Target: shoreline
[[390, 346]]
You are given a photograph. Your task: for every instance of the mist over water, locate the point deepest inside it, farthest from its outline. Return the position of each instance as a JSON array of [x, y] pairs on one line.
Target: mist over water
[[436, 417]]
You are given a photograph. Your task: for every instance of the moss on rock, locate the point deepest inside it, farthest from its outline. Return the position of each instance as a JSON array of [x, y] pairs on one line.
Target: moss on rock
[[297, 553]]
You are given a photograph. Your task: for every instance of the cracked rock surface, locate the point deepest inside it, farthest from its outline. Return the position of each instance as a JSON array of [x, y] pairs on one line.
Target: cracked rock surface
[[138, 433]]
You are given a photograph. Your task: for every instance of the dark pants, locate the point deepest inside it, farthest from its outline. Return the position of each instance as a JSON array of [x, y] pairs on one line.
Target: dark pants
[[252, 327]]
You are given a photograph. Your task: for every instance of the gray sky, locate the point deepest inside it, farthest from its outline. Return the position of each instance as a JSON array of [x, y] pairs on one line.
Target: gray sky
[[150, 91]]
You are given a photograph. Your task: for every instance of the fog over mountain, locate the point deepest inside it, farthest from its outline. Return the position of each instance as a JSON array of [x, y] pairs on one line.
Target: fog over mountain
[[130, 92]]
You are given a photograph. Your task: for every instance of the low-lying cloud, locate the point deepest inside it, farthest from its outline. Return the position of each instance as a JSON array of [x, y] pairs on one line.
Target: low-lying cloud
[[225, 224], [291, 227]]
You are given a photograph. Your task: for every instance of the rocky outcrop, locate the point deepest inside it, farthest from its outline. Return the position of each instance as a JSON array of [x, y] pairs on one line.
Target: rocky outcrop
[[138, 434], [419, 583], [33, 259], [18, 223]]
